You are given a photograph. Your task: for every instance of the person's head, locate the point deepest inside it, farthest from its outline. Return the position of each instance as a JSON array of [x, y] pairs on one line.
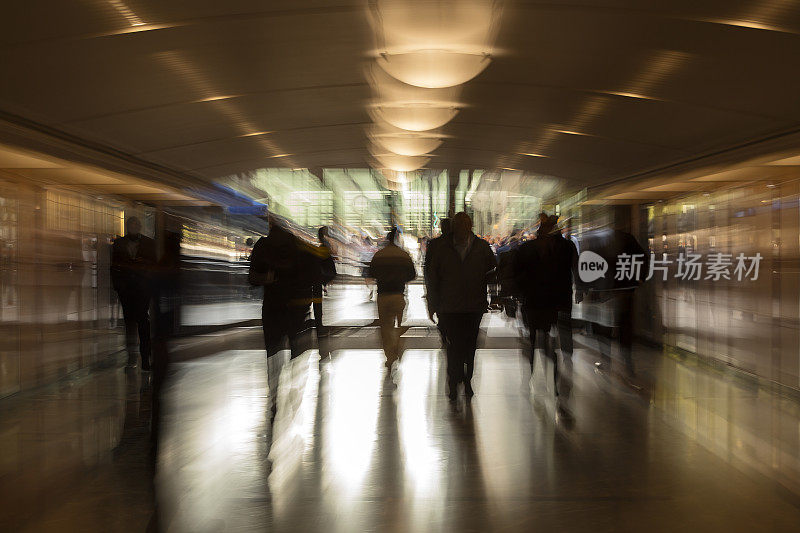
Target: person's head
[[133, 227], [462, 226], [542, 218], [445, 225], [548, 224], [391, 237], [322, 234]]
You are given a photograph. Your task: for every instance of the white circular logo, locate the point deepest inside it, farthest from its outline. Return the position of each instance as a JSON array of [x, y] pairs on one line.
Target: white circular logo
[[591, 266]]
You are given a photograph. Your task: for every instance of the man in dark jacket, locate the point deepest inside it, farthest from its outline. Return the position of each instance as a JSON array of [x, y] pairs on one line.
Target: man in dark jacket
[[288, 269], [392, 268], [544, 270], [430, 252], [456, 276], [133, 258]]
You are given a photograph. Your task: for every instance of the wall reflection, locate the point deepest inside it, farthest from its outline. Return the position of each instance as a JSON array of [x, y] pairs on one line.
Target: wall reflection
[[741, 423], [59, 312]]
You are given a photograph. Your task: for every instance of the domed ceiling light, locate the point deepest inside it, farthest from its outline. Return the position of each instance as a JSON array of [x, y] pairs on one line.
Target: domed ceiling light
[[403, 142], [420, 24], [414, 116], [389, 89], [408, 144], [434, 43], [401, 163], [434, 68]]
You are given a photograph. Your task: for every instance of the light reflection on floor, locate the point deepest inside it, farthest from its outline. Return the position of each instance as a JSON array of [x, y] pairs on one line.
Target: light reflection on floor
[[352, 453], [696, 449]]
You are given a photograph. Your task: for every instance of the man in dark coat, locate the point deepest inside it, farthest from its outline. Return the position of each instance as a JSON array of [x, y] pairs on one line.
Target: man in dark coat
[[430, 253], [544, 270], [288, 269], [133, 258], [456, 276]]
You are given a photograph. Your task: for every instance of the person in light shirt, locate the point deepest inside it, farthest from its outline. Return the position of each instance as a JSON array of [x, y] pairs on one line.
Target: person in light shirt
[[391, 267]]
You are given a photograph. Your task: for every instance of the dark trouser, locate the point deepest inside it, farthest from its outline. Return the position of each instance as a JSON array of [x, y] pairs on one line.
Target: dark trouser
[[461, 331], [317, 314], [562, 376], [283, 321], [136, 313], [317, 307], [604, 334], [564, 325]]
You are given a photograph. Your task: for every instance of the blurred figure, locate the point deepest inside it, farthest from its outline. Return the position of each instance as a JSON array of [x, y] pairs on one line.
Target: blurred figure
[[456, 277], [543, 271], [608, 301], [288, 270], [506, 276], [167, 298], [366, 254], [133, 258], [327, 274], [430, 252], [391, 267]]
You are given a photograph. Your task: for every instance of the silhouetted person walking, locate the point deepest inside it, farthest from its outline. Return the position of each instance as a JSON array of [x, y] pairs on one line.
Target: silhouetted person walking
[[430, 253], [133, 258], [456, 278], [543, 271], [391, 267], [608, 301], [327, 274], [288, 269]]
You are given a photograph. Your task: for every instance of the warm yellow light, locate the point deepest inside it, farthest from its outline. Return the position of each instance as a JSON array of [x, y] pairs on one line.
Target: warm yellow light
[[406, 143], [533, 155], [255, 133], [280, 155], [139, 28], [749, 24], [631, 95], [454, 24], [570, 132], [401, 163], [389, 89], [434, 68], [129, 15], [215, 98], [415, 116]]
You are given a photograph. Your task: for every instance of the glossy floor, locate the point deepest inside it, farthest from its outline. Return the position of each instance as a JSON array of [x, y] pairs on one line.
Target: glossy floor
[[347, 451]]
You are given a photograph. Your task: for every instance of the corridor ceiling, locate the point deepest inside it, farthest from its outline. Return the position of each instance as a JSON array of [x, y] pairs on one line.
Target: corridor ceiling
[[596, 90]]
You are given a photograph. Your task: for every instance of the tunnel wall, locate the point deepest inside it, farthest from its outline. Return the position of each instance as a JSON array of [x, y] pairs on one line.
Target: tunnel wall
[[753, 325]]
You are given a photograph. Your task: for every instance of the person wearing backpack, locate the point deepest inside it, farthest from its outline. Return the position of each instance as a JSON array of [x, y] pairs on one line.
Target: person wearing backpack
[[392, 268]]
